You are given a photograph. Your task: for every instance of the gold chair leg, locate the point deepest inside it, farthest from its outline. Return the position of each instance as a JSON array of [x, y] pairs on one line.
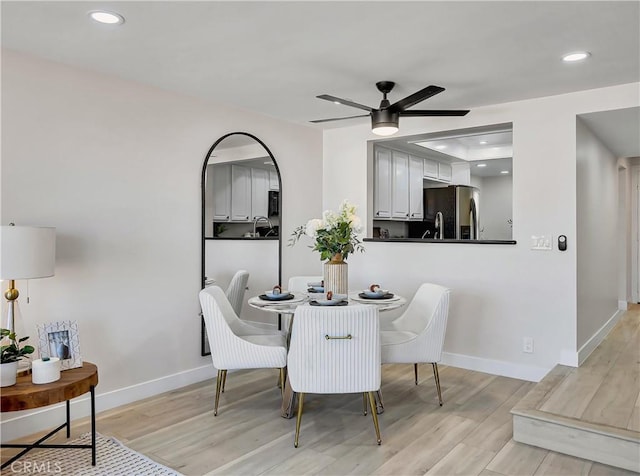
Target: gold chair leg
[[224, 379], [218, 388], [299, 419], [380, 403], [374, 415], [415, 372], [364, 403], [436, 376]]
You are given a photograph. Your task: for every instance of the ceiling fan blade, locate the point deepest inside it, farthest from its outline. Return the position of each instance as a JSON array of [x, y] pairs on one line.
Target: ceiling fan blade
[[415, 98], [346, 102], [435, 112], [338, 118]]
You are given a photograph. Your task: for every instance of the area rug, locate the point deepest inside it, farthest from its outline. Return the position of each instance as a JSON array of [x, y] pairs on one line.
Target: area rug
[[112, 459]]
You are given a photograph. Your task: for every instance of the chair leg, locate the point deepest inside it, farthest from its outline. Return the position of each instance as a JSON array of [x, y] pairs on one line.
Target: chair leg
[[374, 415], [436, 376], [415, 372], [299, 419], [282, 381], [224, 380], [364, 403], [380, 403], [218, 388]]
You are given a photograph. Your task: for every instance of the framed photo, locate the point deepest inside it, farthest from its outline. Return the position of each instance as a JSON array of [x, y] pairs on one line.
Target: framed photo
[[60, 339]]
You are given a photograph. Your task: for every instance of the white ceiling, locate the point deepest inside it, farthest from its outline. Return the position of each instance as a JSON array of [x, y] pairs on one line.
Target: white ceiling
[[275, 57]]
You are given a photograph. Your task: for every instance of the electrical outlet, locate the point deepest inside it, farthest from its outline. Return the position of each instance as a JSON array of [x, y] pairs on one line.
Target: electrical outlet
[[527, 345], [541, 242]]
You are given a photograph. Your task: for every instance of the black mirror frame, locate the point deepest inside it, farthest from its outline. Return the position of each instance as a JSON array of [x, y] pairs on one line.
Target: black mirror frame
[[202, 234]]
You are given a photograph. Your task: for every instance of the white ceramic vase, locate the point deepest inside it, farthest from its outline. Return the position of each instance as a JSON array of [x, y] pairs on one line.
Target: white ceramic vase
[[8, 374]]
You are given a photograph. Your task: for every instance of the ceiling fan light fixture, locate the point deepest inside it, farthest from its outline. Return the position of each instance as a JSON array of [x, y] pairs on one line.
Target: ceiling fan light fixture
[[384, 122]]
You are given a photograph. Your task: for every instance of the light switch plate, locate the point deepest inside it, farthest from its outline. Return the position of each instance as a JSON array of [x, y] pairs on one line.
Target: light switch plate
[[541, 242]]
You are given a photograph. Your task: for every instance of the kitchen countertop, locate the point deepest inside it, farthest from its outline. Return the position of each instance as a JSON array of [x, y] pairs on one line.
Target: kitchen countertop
[[419, 240]]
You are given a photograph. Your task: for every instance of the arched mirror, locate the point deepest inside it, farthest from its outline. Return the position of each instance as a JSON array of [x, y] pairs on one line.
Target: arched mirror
[[241, 216]]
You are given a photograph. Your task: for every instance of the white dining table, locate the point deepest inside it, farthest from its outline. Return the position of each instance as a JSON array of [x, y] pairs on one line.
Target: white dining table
[[289, 307]]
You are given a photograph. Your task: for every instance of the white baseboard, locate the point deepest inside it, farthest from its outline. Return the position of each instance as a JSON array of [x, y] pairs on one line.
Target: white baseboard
[[495, 367], [598, 337], [18, 424], [623, 305]]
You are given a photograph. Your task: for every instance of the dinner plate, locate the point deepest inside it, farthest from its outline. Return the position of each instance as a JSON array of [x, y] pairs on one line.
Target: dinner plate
[[327, 302], [316, 284], [315, 289], [269, 296], [375, 294], [380, 296]]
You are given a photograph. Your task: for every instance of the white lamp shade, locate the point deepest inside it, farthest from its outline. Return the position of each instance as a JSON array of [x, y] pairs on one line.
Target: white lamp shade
[[27, 252]]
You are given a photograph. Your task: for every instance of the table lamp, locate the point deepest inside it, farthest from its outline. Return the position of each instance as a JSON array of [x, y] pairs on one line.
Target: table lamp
[[26, 252]]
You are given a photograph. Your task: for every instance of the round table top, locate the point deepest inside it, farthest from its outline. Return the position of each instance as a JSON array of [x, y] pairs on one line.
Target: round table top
[[25, 394], [289, 306]]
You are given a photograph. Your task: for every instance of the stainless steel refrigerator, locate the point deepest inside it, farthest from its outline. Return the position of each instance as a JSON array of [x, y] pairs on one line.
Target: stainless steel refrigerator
[[451, 213]]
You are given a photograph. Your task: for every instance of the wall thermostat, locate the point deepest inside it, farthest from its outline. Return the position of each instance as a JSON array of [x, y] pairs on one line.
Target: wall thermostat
[[562, 243]]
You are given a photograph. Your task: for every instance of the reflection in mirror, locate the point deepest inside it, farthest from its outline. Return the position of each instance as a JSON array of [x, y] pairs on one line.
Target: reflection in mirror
[[241, 215], [448, 185]]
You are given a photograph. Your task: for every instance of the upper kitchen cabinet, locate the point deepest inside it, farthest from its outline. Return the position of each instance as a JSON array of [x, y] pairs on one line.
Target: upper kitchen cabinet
[[274, 184], [382, 183], [221, 185], [444, 172], [398, 185], [240, 193], [259, 193]]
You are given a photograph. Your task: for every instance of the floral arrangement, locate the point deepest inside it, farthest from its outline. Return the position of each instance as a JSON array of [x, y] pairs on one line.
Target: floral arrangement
[[334, 234]]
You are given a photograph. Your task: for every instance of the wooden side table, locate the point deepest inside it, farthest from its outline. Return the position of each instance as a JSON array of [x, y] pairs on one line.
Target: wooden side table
[[25, 395]]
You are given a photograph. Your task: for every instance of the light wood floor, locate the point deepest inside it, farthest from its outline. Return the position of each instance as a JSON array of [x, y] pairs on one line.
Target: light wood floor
[[605, 389], [469, 435]]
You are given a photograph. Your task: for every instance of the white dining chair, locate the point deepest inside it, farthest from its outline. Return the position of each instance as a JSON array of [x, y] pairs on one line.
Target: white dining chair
[[335, 350], [236, 289], [417, 336], [235, 344], [300, 284]]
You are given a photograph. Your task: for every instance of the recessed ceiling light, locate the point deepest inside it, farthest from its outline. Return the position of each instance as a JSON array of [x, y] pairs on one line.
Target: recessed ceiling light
[[110, 18], [336, 102], [576, 56], [504, 171], [440, 147], [481, 165], [483, 142]]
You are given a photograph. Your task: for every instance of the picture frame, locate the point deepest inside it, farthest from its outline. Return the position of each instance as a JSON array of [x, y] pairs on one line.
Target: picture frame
[[60, 339]]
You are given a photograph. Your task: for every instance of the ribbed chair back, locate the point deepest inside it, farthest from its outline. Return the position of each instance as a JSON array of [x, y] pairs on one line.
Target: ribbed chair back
[[299, 284], [335, 349], [236, 289]]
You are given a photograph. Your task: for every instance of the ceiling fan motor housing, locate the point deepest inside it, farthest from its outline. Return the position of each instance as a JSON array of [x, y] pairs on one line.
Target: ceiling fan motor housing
[[384, 118]]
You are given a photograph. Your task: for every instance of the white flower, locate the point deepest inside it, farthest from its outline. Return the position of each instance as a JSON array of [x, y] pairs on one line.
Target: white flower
[[356, 224], [312, 227]]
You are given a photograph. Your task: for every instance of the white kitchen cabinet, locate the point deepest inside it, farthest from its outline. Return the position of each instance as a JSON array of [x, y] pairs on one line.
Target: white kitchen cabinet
[[399, 185], [259, 193], [382, 184], [461, 173], [430, 168], [444, 172], [221, 185], [240, 193], [274, 184], [416, 171]]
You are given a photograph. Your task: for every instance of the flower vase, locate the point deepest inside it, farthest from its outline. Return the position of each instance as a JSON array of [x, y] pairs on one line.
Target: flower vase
[[336, 275], [8, 374]]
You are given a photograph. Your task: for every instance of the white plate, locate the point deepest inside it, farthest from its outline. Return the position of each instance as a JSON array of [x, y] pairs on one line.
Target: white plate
[[327, 302], [277, 297], [316, 284], [375, 294], [316, 289]]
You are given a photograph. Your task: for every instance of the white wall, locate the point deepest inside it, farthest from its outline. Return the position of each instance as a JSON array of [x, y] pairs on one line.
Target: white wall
[[501, 293], [597, 240], [115, 166], [496, 209]]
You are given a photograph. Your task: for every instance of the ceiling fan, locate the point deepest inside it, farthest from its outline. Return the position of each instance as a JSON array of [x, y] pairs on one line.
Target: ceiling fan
[[384, 120]]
